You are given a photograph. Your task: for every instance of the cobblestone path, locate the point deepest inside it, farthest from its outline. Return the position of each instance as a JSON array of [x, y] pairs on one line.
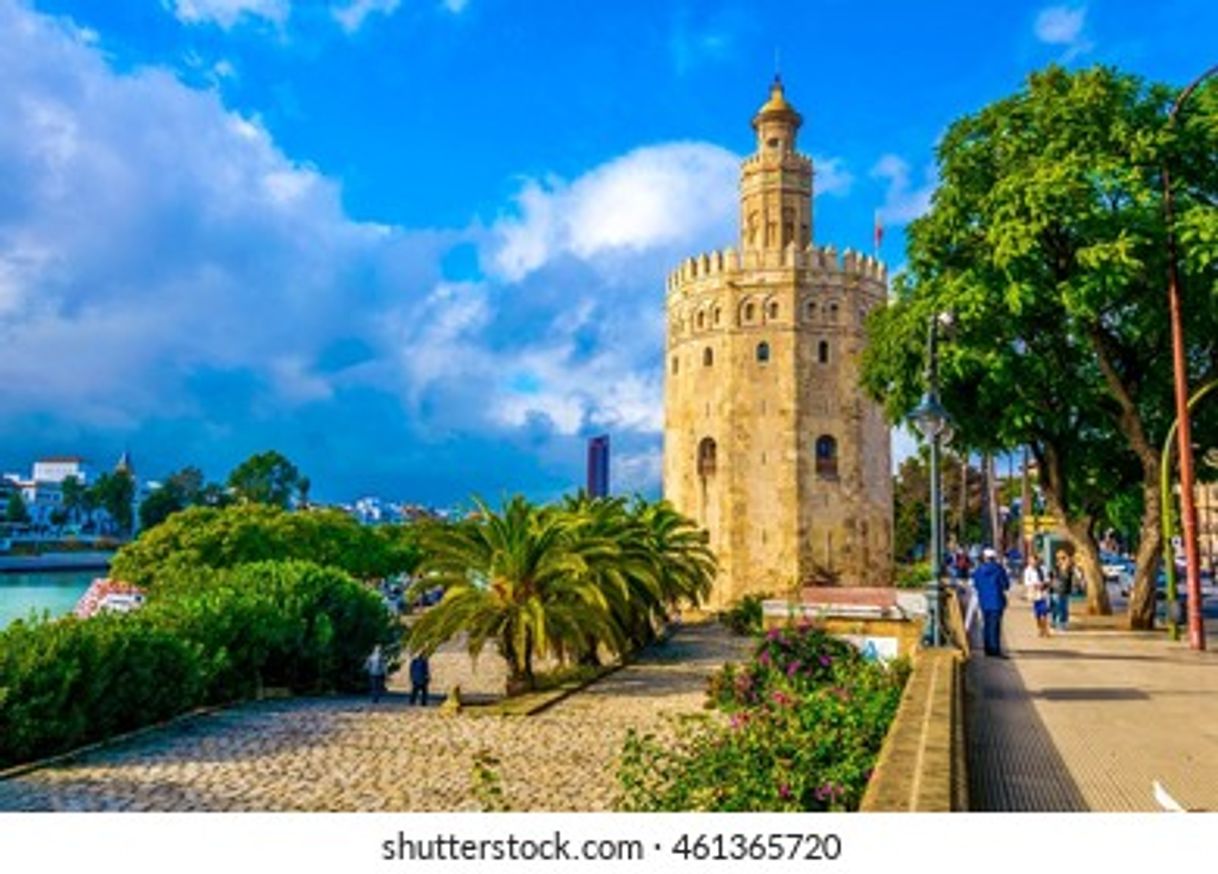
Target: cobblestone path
[[345, 754]]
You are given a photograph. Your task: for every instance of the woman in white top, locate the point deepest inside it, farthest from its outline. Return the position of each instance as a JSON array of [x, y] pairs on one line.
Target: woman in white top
[[1037, 589]]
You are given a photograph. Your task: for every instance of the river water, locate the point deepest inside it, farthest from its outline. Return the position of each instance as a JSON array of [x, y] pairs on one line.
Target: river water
[[55, 592]]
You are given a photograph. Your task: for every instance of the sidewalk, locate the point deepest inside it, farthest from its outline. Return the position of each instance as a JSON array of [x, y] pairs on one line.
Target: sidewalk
[[1087, 720]]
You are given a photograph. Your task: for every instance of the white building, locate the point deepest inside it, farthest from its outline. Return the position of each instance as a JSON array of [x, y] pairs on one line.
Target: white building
[[57, 468]]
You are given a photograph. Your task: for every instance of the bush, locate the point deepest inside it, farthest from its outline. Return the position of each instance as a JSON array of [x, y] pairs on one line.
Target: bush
[[797, 728], [217, 538], [746, 615], [68, 682], [290, 624], [913, 576]]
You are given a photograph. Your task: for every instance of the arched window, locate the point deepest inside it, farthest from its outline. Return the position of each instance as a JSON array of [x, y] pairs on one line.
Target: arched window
[[708, 357], [718, 313], [701, 320], [826, 456], [763, 351], [706, 457], [833, 312], [773, 309], [749, 312], [822, 352], [676, 364], [810, 311]]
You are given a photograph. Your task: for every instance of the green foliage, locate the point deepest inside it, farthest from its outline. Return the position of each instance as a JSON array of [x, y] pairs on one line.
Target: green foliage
[[1046, 240], [267, 478], [114, 493], [209, 537], [180, 490], [16, 511], [805, 721], [69, 682], [913, 576], [746, 615], [564, 580], [288, 624], [487, 785]]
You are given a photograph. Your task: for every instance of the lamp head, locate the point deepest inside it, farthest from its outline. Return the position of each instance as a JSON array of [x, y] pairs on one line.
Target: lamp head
[[929, 417]]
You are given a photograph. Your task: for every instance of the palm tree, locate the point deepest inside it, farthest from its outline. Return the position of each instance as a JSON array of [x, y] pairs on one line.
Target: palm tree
[[521, 578], [685, 563]]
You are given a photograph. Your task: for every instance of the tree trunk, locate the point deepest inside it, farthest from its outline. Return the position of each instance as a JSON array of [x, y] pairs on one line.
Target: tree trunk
[[1087, 559], [1078, 528], [1150, 547]]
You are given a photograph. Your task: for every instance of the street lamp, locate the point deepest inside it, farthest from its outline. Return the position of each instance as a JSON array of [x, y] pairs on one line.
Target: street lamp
[[933, 422], [1188, 509]]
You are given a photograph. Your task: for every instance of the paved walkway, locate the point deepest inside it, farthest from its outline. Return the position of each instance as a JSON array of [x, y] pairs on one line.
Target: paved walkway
[[1087, 720], [344, 754]]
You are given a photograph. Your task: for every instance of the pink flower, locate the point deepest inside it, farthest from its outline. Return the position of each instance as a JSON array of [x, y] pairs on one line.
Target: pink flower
[[784, 791], [825, 661], [793, 668]]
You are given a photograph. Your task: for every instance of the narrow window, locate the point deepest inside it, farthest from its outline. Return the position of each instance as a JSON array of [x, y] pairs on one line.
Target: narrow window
[[763, 351], [773, 310], [706, 457], [833, 312], [708, 357], [676, 365], [822, 352], [748, 312], [701, 321], [718, 312], [826, 456]]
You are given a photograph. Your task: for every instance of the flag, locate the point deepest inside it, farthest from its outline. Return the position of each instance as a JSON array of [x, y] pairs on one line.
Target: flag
[[879, 233]]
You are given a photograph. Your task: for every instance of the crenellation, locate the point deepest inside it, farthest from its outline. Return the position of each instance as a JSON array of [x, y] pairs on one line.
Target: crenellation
[[771, 507]]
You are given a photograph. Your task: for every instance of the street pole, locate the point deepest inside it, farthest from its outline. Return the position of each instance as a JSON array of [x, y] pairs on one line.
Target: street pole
[[1167, 517], [1026, 510], [1188, 509]]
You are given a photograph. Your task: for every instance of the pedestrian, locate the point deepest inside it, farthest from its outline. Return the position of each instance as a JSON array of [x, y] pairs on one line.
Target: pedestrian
[[990, 582], [1061, 587], [1037, 588], [375, 664], [420, 677]]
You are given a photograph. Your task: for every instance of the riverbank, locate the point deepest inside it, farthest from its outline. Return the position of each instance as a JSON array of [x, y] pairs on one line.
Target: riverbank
[[56, 561]]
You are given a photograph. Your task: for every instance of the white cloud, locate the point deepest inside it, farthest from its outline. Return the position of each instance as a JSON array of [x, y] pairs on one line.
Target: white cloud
[[1063, 26], [831, 177], [651, 197], [903, 202], [148, 235], [227, 13], [456, 7], [351, 15]]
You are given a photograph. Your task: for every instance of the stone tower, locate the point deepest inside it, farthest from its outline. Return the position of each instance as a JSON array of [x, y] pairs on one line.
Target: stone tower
[[768, 441]]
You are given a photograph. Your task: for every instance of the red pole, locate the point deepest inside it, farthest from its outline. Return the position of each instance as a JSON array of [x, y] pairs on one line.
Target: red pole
[[1184, 435]]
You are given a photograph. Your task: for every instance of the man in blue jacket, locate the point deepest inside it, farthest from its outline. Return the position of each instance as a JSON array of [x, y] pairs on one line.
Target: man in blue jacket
[[990, 582]]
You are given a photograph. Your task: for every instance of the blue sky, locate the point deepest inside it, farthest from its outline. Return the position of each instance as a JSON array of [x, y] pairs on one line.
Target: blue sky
[[419, 245]]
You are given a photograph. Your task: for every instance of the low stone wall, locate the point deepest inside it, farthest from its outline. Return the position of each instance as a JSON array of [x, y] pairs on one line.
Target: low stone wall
[[922, 765]]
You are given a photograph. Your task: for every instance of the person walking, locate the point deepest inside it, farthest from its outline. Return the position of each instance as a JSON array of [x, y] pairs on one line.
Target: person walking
[[1037, 589], [990, 582], [375, 664], [1061, 587], [420, 678]]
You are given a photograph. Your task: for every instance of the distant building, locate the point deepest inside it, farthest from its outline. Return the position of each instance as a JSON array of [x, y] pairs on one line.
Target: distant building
[[598, 466], [57, 468]]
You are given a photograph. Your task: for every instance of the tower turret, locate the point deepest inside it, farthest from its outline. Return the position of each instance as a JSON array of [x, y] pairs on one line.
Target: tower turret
[[776, 181]]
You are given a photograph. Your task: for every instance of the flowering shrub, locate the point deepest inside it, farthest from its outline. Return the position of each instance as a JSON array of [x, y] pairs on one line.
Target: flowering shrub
[[796, 728]]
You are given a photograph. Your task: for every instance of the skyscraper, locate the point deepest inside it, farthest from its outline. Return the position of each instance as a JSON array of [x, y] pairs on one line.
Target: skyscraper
[[598, 466]]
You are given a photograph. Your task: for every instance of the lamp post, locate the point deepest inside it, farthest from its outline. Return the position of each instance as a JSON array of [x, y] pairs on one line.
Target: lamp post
[[1188, 509], [931, 419]]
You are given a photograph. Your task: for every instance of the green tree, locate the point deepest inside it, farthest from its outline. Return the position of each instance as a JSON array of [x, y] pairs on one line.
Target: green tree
[[114, 493], [266, 478], [216, 538], [518, 579], [1046, 241], [73, 491], [180, 490], [16, 511]]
